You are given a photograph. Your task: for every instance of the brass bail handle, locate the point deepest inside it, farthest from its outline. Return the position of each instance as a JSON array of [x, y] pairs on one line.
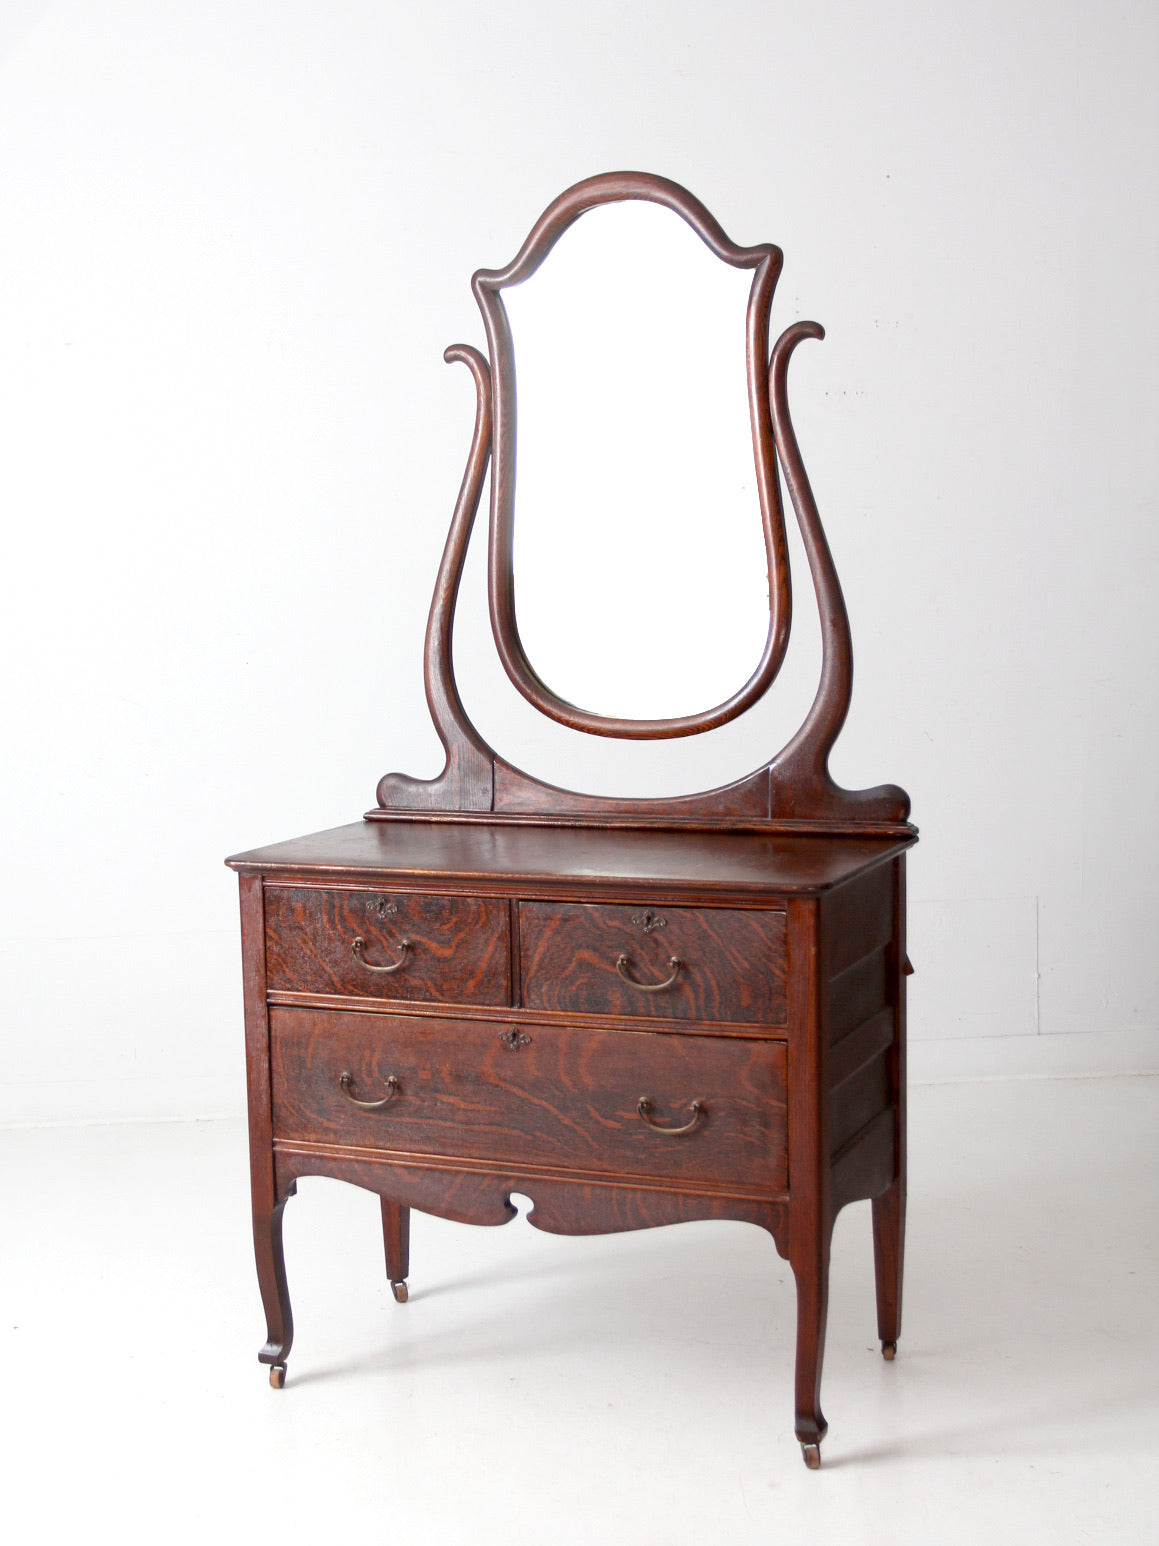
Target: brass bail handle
[[358, 945], [645, 1108], [675, 965], [346, 1083]]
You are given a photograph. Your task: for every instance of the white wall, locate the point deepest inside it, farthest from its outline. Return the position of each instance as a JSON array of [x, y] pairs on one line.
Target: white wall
[[235, 241]]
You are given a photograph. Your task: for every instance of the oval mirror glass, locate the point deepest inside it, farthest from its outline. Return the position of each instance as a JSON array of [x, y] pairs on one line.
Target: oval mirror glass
[[641, 585]]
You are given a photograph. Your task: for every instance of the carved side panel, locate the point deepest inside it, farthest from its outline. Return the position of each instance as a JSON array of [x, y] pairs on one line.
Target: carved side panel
[[861, 924]]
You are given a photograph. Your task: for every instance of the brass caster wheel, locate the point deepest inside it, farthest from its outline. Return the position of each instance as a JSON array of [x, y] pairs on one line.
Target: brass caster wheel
[[811, 1454], [277, 1375], [399, 1291], [889, 1351]]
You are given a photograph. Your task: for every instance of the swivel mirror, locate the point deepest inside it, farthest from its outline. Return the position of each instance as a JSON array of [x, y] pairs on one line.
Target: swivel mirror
[[633, 1011]]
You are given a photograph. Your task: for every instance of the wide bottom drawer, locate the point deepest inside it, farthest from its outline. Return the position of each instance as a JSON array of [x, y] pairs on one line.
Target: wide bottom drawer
[[695, 1108]]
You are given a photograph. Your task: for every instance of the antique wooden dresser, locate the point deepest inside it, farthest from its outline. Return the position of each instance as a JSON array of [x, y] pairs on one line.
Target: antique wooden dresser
[[635, 1012]]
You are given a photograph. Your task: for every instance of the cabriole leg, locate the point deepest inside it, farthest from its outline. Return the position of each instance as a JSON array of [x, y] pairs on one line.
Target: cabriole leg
[[811, 1271], [888, 1259], [396, 1240], [271, 1265]]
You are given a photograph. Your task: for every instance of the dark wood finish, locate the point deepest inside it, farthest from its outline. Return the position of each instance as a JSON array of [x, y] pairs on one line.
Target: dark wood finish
[[488, 285], [456, 947], [855, 1102], [634, 1011], [559, 1097], [810, 1211], [466, 782], [858, 919], [799, 774], [267, 1201], [863, 1044], [516, 955], [528, 799], [732, 963], [889, 1206], [564, 1204], [793, 786], [859, 1013], [509, 1016], [858, 994], [864, 1167], [481, 856], [396, 1245]]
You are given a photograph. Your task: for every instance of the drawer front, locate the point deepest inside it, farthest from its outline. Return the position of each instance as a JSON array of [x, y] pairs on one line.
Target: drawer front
[[540, 1096], [388, 945], [588, 959]]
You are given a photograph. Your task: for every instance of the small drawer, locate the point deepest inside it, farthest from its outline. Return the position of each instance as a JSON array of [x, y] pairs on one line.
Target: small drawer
[[388, 945], [673, 962], [627, 1103]]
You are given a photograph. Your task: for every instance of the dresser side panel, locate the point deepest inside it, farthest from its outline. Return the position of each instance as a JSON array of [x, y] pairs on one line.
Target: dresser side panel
[[864, 1015]]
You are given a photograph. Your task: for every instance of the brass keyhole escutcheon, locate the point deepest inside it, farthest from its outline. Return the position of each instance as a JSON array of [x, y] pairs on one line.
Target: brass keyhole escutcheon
[[648, 920]]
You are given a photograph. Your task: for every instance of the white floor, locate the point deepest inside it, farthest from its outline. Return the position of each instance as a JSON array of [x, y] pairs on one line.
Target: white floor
[[634, 1388]]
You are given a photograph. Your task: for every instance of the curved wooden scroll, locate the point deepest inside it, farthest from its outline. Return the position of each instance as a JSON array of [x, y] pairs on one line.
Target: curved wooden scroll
[[465, 782], [793, 791], [799, 775]]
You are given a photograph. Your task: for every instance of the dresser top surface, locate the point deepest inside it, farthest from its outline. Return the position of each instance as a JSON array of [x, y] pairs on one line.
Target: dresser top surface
[[488, 854]]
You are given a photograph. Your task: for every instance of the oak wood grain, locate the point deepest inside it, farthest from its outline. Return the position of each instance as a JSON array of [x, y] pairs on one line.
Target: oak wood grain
[[456, 947], [509, 1014], [732, 962], [494, 1027], [562, 1097]]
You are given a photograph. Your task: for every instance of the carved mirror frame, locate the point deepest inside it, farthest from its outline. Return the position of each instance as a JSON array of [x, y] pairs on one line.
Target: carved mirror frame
[[793, 791], [488, 286]]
